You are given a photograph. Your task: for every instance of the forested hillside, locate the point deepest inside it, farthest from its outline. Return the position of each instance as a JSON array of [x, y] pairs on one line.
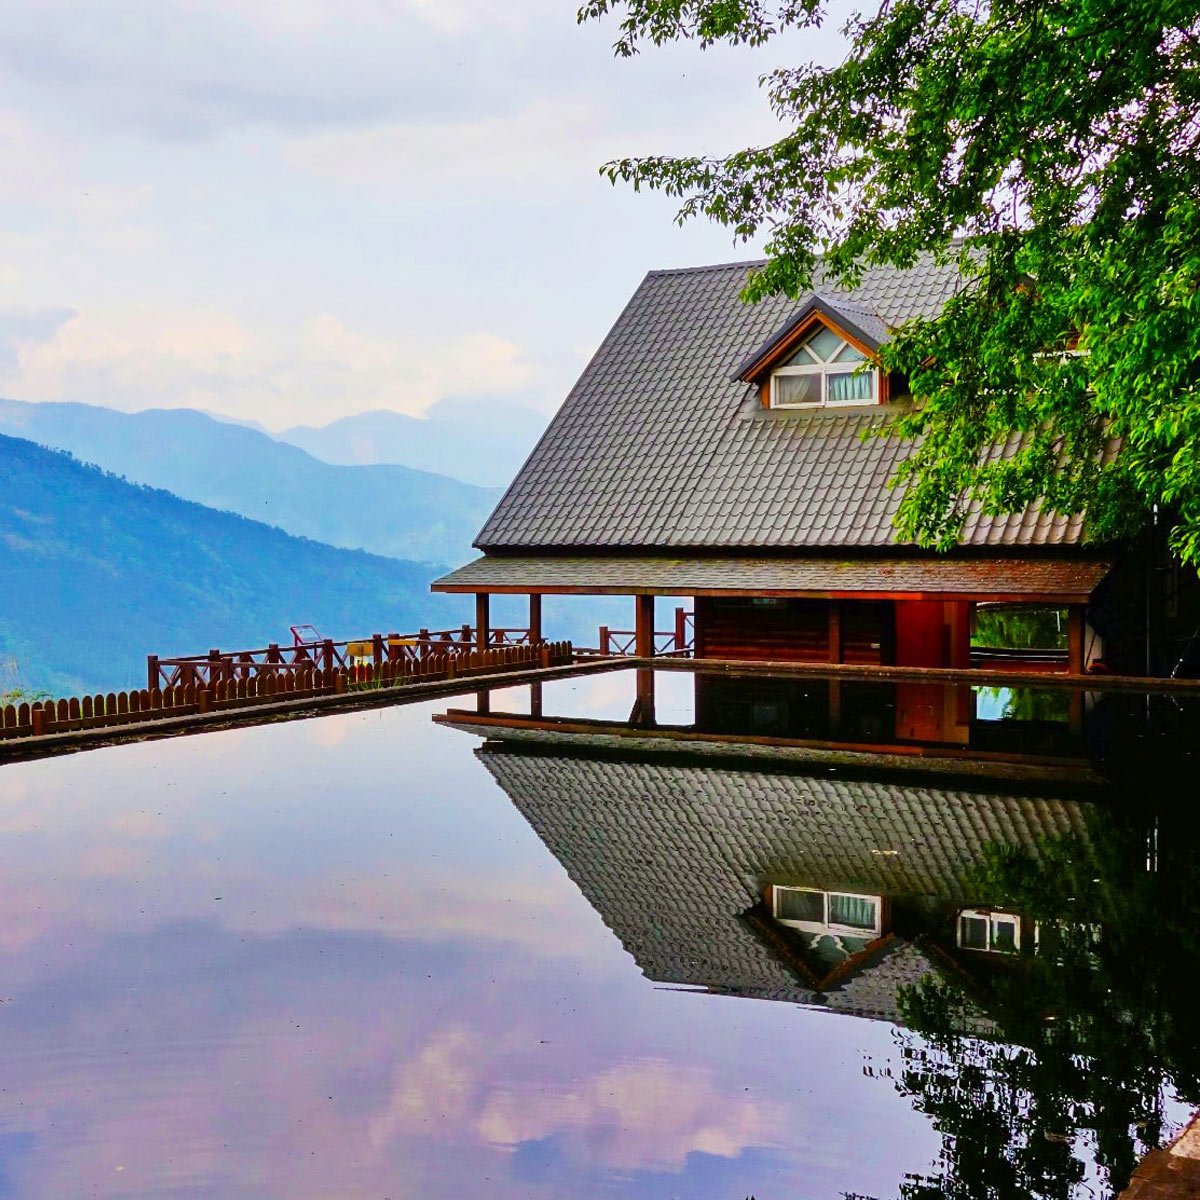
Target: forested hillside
[[96, 572], [385, 509]]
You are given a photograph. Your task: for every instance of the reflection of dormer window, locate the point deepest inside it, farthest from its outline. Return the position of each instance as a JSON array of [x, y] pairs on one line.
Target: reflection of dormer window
[[825, 370], [815, 911], [993, 932]]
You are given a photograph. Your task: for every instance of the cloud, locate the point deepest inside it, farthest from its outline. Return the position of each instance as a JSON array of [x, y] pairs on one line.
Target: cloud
[[26, 328], [642, 1115], [194, 70], [135, 357], [647, 1115]]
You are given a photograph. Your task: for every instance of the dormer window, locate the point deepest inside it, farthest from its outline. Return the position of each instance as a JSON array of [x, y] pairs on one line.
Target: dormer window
[[825, 370]]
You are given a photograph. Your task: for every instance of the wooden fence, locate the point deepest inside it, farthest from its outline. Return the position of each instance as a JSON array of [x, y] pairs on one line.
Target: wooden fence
[[302, 683], [679, 642], [206, 670]]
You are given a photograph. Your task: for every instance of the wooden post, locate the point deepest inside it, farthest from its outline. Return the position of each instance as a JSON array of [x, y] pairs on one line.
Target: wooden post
[[680, 630], [327, 654], [535, 700], [835, 631], [643, 636], [214, 668], [1075, 616], [535, 618], [483, 621], [377, 649], [151, 670], [604, 643]]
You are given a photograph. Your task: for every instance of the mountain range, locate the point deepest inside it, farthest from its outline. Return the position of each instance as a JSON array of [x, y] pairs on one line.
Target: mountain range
[[380, 507], [481, 440], [97, 572]]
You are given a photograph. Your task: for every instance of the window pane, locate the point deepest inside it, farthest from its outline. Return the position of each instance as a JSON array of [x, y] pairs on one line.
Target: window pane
[[802, 358], [797, 389], [973, 933], [848, 354], [1004, 935], [792, 905], [845, 387], [856, 911], [824, 343]]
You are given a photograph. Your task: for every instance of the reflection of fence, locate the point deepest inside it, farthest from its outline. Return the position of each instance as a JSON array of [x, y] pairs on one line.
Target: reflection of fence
[[301, 682], [679, 642], [206, 670]]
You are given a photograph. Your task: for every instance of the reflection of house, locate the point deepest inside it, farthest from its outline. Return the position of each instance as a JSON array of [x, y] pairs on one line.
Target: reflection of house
[[813, 889], [720, 450]]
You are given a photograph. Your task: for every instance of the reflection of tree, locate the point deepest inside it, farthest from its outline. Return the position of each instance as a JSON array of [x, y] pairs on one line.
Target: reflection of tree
[[1091, 1032], [1020, 628], [1030, 704]]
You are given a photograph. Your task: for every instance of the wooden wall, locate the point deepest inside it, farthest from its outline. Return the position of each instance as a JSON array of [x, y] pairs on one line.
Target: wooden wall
[[792, 630]]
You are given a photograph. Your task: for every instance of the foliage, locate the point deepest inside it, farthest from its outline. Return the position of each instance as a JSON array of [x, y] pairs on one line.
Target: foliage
[[1051, 149], [1092, 1031], [1019, 627]]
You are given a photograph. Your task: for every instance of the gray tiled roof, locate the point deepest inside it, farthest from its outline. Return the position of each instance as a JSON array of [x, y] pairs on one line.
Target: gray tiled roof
[[1008, 578], [670, 855], [658, 447]]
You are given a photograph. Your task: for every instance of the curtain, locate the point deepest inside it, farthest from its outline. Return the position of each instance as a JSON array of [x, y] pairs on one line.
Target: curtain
[[845, 386], [856, 911]]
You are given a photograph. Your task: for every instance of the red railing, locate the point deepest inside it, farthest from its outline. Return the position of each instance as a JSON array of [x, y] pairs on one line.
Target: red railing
[[679, 642], [323, 654]]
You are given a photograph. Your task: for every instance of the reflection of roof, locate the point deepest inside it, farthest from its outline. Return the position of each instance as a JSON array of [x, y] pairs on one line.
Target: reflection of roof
[[657, 446], [990, 578], [673, 855]]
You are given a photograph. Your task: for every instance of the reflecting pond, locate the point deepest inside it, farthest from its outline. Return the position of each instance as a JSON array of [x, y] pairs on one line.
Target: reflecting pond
[[539, 951]]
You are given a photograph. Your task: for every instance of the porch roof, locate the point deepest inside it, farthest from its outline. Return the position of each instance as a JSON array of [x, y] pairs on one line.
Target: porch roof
[[1061, 580]]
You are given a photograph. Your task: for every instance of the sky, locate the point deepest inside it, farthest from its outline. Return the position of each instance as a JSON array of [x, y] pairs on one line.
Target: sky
[[291, 213]]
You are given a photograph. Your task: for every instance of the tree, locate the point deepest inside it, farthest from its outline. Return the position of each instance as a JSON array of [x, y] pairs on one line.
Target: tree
[[1051, 148]]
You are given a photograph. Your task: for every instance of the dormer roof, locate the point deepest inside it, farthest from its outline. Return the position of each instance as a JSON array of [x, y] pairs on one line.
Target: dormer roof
[[859, 326]]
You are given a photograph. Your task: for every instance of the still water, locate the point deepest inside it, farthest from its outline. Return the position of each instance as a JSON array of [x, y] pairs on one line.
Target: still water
[[374, 955]]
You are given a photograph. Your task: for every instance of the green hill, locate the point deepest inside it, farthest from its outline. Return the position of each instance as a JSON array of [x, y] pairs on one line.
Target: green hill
[[96, 572], [384, 509]]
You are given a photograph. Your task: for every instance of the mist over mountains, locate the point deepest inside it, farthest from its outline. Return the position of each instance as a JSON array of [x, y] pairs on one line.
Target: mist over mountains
[[382, 508], [481, 441]]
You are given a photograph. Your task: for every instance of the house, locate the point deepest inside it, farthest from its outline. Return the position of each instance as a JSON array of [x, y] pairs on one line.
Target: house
[[722, 451]]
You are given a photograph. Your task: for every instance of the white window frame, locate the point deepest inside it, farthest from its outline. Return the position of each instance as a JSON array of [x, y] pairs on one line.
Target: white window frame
[[989, 915], [824, 370], [824, 926]]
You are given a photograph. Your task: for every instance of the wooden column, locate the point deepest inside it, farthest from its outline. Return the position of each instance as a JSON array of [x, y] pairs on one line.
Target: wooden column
[[483, 621], [835, 631], [535, 619], [1075, 624], [643, 626], [151, 672], [643, 638], [535, 700]]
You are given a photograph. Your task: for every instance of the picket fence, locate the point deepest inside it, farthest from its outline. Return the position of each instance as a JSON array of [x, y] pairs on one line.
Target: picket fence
[[128, 708]]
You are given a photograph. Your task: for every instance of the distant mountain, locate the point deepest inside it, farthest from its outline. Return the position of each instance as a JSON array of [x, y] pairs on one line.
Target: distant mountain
[[385, 509], [484, 441], [95, 573]]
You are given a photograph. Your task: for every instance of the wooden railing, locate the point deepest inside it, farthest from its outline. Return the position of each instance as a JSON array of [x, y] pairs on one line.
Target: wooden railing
[[324, 654], [679, 642], [303, 681]]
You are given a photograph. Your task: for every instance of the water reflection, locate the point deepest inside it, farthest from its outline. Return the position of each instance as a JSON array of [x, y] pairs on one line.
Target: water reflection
[[366, 956], [1037, 950]]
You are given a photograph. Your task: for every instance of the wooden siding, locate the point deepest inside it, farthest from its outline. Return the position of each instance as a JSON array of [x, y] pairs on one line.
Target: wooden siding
[[792, 630]]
